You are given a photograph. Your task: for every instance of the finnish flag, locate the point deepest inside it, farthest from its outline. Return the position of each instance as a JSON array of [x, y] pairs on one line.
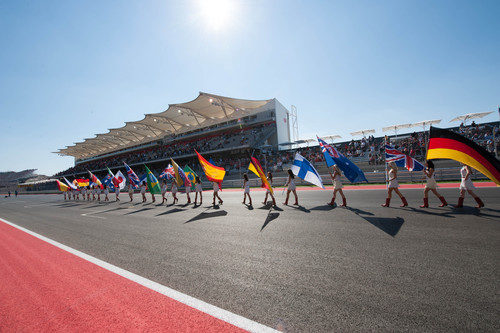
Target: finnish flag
[[303, 169]]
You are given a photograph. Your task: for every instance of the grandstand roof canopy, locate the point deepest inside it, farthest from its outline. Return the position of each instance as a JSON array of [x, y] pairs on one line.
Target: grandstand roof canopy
[[204, 111], [468, 116]]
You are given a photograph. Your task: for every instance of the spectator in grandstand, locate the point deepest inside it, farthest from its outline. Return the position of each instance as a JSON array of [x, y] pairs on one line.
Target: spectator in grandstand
[[216, 193], [431, 185], [268, 192], [246, 191], [163, 191], [291, 187], [393, 186], [337, 185], [174, 191], [143, 191], [466, 185]]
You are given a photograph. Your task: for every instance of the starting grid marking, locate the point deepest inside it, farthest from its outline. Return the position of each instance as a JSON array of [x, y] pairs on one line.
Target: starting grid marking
[[214, 311]]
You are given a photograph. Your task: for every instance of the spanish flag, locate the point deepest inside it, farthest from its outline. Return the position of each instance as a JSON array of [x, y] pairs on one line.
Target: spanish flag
[[256, 168], [450, 145], [61, 186], [213, 173]]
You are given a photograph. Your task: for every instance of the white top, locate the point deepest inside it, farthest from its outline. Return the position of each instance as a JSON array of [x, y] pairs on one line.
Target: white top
[[393, 183], [291, 183], [247, 187], [130, 188], [198, 187], [164, 188], [431, 181], [143, 189], [98, 190], [466, 184], [174, 187], [117, 189], [215, 186], [106, 191]]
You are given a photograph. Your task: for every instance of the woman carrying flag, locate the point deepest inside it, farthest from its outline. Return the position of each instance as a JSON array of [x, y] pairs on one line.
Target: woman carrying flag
[[131, 191], [216, 193], [84, 192], [268, 192], [466, 185], [93, 192], [188, 190], [246, 192], [174, 191], [393, 186], [88, 190], [106, 193], [143, 191], [198, 189], [337, 186], [98, 191], [290, 184], [431, 185], [163, 192], [117, 192]]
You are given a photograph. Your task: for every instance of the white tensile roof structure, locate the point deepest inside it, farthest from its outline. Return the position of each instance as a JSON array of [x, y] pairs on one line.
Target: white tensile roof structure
[[206, 110]]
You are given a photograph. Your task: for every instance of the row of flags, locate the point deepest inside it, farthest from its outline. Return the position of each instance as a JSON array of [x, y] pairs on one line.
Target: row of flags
[[443, 144]]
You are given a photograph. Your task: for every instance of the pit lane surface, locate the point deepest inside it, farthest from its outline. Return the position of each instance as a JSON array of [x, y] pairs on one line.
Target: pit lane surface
[[307, 268]]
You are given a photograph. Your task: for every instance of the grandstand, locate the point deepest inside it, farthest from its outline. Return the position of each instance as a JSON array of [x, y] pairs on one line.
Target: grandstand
[[215, 125]]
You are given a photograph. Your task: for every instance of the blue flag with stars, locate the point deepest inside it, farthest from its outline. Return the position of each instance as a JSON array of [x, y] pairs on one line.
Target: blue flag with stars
[[333, 156]]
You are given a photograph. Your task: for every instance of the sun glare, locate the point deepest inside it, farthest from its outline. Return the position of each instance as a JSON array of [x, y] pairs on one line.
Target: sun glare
[[217, 14]]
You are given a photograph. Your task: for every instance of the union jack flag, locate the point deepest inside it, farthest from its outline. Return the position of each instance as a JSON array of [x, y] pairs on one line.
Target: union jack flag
[[325, 147], [134, 180], [168, 172], [402, 160]]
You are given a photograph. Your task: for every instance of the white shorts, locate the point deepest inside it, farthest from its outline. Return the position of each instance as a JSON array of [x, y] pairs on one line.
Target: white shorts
[[337, 185], [467, 185], [393, 183], [291, 186], [431, 184], [247, 190]]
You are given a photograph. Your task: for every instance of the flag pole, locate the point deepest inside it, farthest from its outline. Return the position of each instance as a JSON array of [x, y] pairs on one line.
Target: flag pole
[[385, 160]]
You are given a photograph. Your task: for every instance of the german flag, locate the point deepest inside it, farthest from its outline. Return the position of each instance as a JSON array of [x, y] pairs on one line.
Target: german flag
[[450, 145]]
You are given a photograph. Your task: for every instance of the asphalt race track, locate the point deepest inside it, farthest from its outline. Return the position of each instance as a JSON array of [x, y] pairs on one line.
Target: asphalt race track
[[308, 268]]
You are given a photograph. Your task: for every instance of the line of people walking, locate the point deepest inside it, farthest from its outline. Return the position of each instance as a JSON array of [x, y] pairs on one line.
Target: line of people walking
[[466, 186]]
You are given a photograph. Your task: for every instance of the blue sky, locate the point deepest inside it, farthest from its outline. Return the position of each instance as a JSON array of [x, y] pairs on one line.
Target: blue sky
[[72, 69]]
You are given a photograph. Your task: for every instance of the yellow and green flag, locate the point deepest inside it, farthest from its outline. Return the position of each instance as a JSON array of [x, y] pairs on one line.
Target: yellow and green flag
[[153, 185]]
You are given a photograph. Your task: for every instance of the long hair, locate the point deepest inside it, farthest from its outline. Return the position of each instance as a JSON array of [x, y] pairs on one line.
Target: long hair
[[430, 164], [393, 165], [245, 176], [290, 173], [270, 175]]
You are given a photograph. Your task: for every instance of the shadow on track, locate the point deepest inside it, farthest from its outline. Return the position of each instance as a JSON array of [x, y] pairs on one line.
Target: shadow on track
[[173, 210], [138, 211], [389, 225], [207, 215]]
